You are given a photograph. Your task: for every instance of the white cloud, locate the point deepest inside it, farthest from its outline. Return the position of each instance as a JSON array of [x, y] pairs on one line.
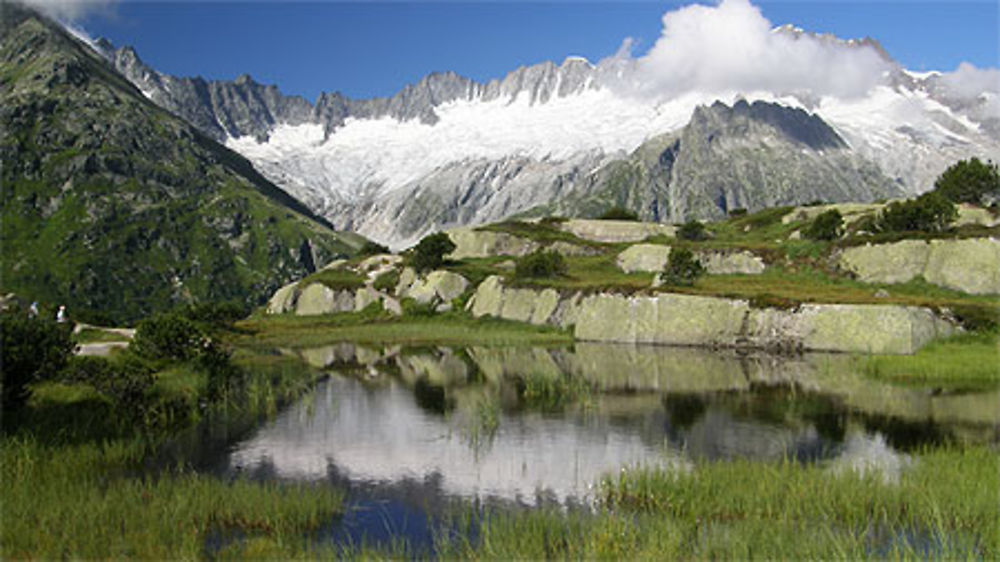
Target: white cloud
[[732, 47], [968, 82], [70, 10]]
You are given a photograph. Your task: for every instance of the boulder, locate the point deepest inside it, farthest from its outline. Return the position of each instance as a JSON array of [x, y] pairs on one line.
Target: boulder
[[472, 243], [407, 278], [283, 299], [447, 285], [849, 211], [971, 265], [488, 300], [643, 257], [728, 263], [546, 303], [971, 214], [392, 306], [887, 263], [518, 304], [568, 249], [860, 328], [364, 297], [320, 299], [616, 231]]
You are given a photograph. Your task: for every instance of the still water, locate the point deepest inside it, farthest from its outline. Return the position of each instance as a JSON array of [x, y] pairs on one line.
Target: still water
[[408, 432]]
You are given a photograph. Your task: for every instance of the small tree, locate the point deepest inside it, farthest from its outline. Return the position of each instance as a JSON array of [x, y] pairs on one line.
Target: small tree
[[828, 225], [540, 264], [931, 212], [430, 251], [682, 268], [618, 214], [692, 230], [969, 181], [168, 336], [30, 350], [370, 248]]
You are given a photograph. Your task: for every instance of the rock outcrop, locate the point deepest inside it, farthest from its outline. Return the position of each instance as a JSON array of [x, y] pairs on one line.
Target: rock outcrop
[[437, 288], [970, 265], [616, 231], [652, 258], [674, 319], [473, 243]]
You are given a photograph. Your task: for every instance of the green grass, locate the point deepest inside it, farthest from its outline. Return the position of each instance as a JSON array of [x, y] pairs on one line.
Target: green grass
[[441, 329], [336, 279], [80, 502], [544, 231], [943, 507], [967, 360]]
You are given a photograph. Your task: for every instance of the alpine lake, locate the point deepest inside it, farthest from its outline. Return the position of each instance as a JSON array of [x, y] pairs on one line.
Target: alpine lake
[[502, 451]]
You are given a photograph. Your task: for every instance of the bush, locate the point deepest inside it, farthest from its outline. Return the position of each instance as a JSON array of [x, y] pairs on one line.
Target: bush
[[618, 214], [931, 212], [215, 315], [31, 350], [540, 264], [430, 251], [738, 212], [682, 268], [970, 181], [370, 248], [168, 336], [692, 230], [828, 225], [223, 375]]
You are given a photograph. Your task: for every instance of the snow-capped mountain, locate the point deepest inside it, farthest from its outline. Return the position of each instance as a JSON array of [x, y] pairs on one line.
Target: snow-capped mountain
[[802, 117]]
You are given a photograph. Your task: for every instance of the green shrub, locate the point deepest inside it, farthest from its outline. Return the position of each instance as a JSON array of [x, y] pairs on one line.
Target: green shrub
[[370, 248], [125, 381], [828, 225], [738, 212], [430, 251], [969, 181], [540, 264], [682, 268], [931, 212], [168, 337], [31, 350], [223, 375], [693, 231], [387, 281], [618, 214], [215, 314]]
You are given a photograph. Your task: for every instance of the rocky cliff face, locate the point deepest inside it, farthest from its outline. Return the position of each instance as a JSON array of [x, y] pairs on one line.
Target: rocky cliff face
[[117, 208]]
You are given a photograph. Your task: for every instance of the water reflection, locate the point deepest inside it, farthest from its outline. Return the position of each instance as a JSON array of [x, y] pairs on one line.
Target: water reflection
[[446, 422]]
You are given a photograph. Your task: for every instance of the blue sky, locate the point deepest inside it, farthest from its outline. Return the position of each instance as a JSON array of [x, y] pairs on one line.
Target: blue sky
[[375, 48]]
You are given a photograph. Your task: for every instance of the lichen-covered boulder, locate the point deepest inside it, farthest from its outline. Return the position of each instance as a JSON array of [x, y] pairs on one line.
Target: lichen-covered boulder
[[447, 285], [663, 319], [320, 299], [569, 249], [616, 231], [971, 214], [869, 328], [392, 306], [728, 263], [472, 243], [407, 278], [518, 304], [488, 299], [283, 299], [364, 297], [644, 258], [971, 265], [546, 303], [887, 263]]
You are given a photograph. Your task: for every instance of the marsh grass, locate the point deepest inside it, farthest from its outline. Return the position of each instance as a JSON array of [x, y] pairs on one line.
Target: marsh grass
[[80, 502], [453, 328], [943, 507], [969, 360]]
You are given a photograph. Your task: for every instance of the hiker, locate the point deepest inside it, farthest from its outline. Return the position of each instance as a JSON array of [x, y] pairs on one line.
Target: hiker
[[61, 315], [33, 310]]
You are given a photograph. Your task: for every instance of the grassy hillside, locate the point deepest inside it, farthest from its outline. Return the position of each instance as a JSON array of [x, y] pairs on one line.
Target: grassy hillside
[[117, 208]]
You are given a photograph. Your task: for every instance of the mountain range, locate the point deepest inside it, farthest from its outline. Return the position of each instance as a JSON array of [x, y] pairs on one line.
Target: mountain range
[[576, 138], [118, 208]]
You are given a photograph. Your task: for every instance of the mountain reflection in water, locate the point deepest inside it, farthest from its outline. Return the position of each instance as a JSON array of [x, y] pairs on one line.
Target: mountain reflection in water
[[455, 419]]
